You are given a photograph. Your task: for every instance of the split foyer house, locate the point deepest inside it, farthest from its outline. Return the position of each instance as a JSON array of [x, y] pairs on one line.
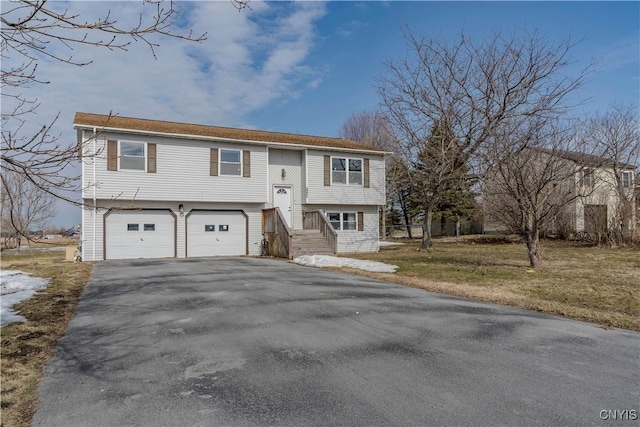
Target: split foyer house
[[153, 189]]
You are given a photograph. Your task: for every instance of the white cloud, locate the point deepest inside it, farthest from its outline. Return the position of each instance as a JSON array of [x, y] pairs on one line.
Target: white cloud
[[348, 29], [241, 67], [623, 53], [250, 59]]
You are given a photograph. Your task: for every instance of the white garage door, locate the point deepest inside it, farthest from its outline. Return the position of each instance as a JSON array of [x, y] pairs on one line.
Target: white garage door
[[139, 234], [216, 233]]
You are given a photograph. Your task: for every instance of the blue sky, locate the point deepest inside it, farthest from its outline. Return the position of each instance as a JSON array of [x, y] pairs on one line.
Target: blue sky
[[354, 39], [306, 67]]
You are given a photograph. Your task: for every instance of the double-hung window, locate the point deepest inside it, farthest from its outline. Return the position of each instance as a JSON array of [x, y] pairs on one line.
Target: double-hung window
[[343, 220], [129, 155], [132, 155], [335, 218], [230, 162], [626, 179], [587, 178], [346, 171]]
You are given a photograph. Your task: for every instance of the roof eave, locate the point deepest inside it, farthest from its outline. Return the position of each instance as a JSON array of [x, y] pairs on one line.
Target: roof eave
[[220, 139]]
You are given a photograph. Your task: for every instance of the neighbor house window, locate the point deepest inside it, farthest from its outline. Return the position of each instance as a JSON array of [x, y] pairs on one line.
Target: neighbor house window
[[230, 162], [626, 179], [346, 171], [587, 177], [132, 155], [343, 220]]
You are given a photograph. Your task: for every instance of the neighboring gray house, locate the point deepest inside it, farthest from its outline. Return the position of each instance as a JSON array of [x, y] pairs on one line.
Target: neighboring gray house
[[153, 189], [595, 193], [607, 191]]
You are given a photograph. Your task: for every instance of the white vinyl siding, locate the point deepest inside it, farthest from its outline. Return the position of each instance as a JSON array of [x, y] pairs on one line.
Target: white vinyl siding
[[183, 174], [291, 161], [89, 220], [354, 240], [318, 193]]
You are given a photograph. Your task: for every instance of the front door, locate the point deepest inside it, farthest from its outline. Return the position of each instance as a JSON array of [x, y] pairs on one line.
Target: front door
[[282, 200]]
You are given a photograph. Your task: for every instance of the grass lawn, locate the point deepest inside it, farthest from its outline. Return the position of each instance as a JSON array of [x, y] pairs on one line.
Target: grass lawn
[[26, 347], [600, 285]]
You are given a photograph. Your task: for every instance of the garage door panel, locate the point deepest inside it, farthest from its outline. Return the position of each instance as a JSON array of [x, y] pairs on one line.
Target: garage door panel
[[216, 233], [139, 234]]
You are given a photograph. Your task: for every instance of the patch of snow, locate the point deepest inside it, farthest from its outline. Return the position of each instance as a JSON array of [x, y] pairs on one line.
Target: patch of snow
[[332, 261], [383, 243], [16, 286]]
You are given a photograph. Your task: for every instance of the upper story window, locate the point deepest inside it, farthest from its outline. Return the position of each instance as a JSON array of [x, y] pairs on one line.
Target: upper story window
[[346, 171], [132, 155], [588, 178], [230, 162], [626, 179], [127, 155]]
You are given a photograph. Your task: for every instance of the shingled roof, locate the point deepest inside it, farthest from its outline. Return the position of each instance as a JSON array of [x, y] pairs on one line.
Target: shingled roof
[[588, 159], [118, 123]]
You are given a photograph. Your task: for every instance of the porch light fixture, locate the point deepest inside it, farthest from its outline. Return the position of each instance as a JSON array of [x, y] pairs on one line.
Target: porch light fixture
[[181, 209], [283, 173]]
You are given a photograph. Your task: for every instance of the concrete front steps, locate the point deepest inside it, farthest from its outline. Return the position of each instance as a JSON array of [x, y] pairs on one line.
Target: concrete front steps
[[309, 242]]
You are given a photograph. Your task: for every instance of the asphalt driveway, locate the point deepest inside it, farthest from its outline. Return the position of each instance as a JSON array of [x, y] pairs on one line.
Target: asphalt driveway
[[244, 341]]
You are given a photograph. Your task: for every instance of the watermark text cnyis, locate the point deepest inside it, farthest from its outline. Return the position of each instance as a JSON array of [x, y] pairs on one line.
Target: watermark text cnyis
[[618, 414]]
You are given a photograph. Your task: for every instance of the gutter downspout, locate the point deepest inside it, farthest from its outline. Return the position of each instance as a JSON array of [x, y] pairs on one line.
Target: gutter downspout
[[306, 176], [95, 209]]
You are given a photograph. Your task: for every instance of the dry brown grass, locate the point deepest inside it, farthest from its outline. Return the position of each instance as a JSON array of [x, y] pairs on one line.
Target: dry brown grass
[[599, 285], [26, 347]]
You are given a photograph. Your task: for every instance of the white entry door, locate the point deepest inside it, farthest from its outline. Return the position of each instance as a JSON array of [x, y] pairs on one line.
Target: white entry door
[[282, 200]]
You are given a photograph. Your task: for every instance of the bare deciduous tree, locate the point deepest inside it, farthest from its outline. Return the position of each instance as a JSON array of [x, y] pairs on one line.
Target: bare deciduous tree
[[33, 30], [532, 182], [371, 127], [25, 206], [478, 88]]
